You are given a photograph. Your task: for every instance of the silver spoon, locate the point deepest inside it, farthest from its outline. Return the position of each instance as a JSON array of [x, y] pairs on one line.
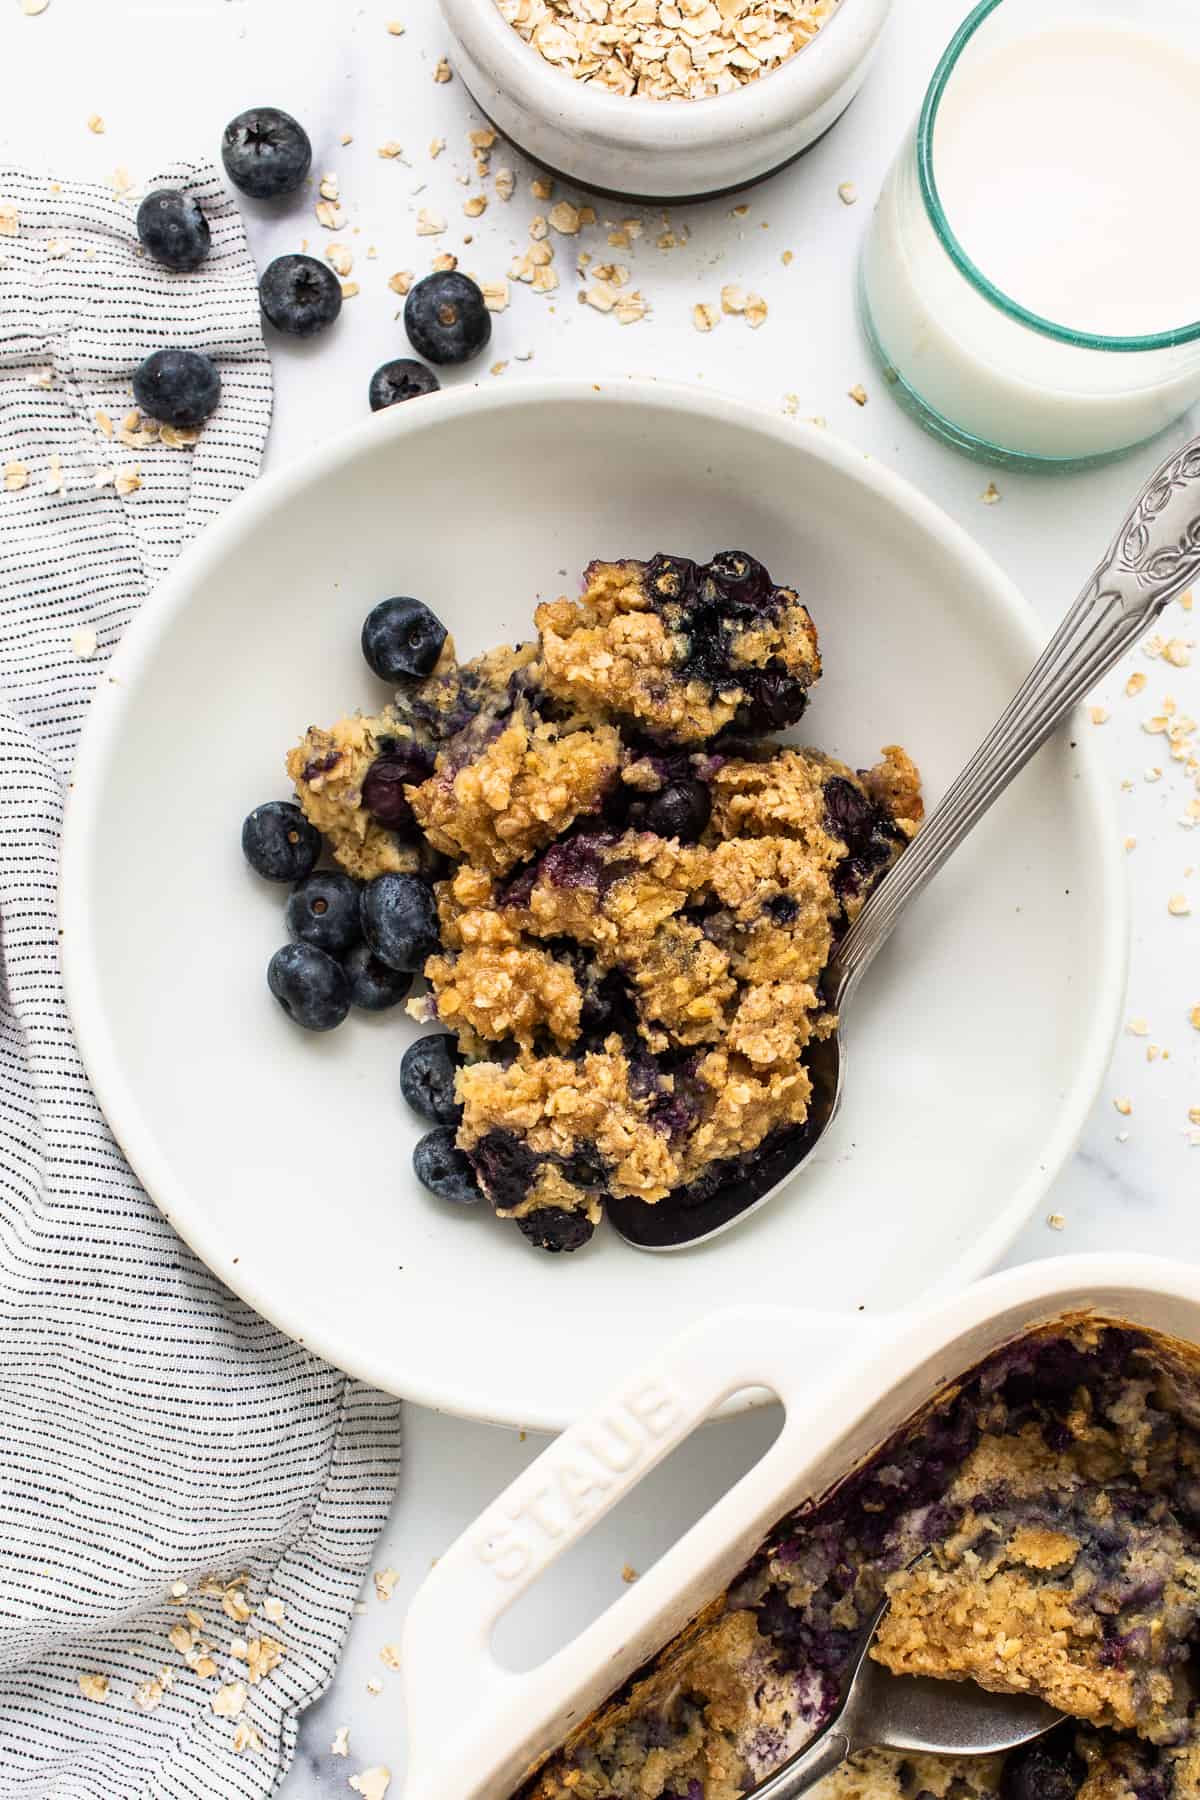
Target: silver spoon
[[911, 1714], [1154, 557]]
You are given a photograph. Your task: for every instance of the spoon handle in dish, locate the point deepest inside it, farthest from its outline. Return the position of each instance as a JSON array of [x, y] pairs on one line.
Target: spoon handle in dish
[[825, 1754], [1154, 557]]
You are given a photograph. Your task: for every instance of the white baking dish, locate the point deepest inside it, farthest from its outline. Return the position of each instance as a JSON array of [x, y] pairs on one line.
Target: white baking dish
[[654, 149], [474, 1727]]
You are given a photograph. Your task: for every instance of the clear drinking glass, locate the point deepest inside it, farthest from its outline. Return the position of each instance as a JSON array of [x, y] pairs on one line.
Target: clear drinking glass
[[980, 365]]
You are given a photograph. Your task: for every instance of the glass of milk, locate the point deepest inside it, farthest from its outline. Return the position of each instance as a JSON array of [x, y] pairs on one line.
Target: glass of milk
[[1031, 279]]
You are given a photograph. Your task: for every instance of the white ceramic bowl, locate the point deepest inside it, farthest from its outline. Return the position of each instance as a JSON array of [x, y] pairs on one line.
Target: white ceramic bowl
[[661, 150], [977, 1045], [475, 1727]]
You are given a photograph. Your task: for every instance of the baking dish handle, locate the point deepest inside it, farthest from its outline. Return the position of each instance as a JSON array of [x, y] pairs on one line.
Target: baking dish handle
[[471, 1719]]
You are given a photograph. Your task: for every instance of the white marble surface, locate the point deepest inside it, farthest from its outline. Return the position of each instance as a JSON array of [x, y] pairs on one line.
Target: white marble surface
[[165, 77]]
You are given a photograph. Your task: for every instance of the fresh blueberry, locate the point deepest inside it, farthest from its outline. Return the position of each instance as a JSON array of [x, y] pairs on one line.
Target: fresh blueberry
[[401, 638], [427, 1079], [323, 910], [265, 152], [313, 989], [178, 387], [403, 379], [444, 1169], [1047, 1769], [300, 295], [399, 921], [446, 318], [681, 810], [555, 1229], [385, 781], [373, 986], [173, 229], [279, 843]]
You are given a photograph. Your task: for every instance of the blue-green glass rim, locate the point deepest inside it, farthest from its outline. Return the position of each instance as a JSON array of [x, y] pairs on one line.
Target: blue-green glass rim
[[1064, 334]]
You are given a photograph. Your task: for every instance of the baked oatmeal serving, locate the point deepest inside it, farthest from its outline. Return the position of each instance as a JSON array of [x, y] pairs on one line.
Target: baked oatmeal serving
[[621, 887], [1037, 1529]]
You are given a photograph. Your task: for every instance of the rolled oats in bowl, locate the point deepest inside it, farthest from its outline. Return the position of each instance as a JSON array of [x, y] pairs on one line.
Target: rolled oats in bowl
[[667, 49]]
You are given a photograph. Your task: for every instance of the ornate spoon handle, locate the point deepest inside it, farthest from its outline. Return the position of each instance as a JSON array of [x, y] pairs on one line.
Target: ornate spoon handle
[[1154, 557]]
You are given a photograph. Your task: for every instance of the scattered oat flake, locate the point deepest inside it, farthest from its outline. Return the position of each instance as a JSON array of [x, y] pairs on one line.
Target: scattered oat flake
[[788, 258], [1056, 1221], [443, 71], [498, 368], [429, 224], [495, 295], [1123, 1106], [374, 1685], [1194, 1115], [564, 218], [1099, 715], [147, 1696], [341, 1742], [349, 289], [705, 317], [234, 1604], [629, 1574], [180, 1638], [329, 215], [385, 1582], [44, 378], [372, 1784], [389, 1656], [330, 186], [1185, 600], [121, 182], [347, 137], [733, 299], [541, 187], [1179, 906], [104, 423], [631, 308], [395, 28], [858, 394], [179, 437], [401, 281], [263, 1656], [94, 1687], [1194, 1018], [991, 494], [31, 8], [391, 151], [16, 476], [54, 474], [756, 311], [1138, 1028], [273, 1609], [1136, 682], [229, 1700], [245, 1737], [128, 481], [475, 206], [504, 182], [8, 219], [847, 193], [96, 124], [1177, 653], [83, 643], [545, 280], [444, 260]]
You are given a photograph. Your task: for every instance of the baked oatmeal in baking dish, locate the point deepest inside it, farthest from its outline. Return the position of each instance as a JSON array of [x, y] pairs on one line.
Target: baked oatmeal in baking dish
[[1037, 1529], [619, 884]]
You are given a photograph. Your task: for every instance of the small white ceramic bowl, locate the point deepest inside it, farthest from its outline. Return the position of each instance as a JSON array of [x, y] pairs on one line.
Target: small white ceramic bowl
[[654, 150]]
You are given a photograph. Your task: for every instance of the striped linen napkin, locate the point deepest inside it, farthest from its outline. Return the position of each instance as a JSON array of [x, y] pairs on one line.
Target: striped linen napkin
[[188, 1500]]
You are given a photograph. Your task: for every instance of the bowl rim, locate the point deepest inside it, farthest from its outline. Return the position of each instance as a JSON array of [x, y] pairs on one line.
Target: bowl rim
[[796, 89], [115, 1087]]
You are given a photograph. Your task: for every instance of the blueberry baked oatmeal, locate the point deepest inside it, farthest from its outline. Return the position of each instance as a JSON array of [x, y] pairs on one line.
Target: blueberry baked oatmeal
[[621, 888], [1037, 1529]]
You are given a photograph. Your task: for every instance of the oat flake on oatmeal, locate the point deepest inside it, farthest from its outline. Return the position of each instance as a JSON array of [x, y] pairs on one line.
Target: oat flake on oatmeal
[[667, 49]]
